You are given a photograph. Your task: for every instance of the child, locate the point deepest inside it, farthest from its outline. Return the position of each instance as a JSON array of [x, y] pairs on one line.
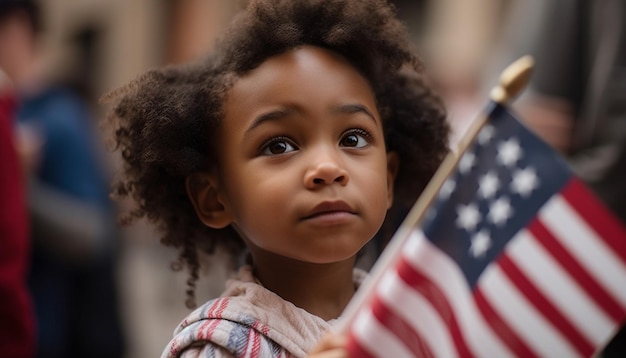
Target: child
[[292, 140]]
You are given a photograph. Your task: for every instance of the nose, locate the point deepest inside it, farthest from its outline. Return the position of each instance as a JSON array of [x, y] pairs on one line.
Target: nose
[[325, 170]]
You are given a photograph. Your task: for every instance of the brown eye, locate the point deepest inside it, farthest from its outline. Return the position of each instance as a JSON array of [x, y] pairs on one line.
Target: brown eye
[[350, 140], [277, 146], [355, 139]]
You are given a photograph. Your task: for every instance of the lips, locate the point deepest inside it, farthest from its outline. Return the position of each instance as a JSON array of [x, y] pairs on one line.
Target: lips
[[327, 208]]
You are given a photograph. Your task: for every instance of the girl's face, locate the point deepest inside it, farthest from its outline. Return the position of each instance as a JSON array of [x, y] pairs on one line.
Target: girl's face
[[303, 170]]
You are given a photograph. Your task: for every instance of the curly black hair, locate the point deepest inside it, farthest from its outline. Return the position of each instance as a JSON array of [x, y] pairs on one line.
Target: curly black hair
[[165, 122]]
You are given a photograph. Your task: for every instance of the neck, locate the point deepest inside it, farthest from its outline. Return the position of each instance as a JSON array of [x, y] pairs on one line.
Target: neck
[[321, 289]]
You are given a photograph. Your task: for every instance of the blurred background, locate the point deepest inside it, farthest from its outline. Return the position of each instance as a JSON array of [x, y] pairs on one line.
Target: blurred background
[[94, 46]]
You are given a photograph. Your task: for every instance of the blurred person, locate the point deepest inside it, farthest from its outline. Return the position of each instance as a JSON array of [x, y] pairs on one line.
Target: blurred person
[[72, 266], [577, 97], [17, 325]]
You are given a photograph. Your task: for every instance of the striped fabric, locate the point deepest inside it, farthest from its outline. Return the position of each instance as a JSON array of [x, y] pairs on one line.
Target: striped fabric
[[248, 321], [211, 334]]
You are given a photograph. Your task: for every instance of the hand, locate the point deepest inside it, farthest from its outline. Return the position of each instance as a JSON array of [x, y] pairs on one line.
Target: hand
[[332, 345]]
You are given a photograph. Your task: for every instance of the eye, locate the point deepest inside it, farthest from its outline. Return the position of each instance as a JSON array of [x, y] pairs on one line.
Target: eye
[[356, 138], [276, 146]]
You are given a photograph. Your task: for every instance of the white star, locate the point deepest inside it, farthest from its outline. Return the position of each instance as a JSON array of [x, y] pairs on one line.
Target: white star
[[468, 216], [509, 152], [500, 210], [488, 185], [447, 188], [467, 162], [481, 242], [524, 181], [485, 134]]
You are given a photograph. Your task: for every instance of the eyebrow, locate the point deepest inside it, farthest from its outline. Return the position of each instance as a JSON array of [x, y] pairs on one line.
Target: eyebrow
[[273, 115], [356, 108], [278, 114]]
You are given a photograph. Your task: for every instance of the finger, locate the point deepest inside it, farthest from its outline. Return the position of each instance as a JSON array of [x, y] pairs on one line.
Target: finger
[[331, 342], [333, 353]]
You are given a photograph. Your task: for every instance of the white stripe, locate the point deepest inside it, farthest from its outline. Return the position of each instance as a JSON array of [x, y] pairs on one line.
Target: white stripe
[[376, 338], [265, 348], [560, 288], [418, 312], [249, 342], [586, 246], [530, 325], [440, 269]]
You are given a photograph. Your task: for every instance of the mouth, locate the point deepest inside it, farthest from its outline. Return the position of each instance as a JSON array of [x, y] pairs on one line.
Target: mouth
[[328, 208]]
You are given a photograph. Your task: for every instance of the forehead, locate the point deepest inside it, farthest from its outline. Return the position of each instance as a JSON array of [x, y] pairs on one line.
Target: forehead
[[306, 75], [308, 80], [306, 57]]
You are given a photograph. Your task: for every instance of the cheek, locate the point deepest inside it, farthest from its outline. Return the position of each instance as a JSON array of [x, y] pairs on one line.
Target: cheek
[[382, 197], [375, 188], [257, 196]]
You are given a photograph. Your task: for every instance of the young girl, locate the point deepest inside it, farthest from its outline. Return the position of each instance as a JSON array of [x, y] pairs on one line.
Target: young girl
[[292, 141]]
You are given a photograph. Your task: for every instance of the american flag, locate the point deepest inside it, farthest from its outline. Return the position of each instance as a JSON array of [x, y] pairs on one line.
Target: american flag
[[514, 258]]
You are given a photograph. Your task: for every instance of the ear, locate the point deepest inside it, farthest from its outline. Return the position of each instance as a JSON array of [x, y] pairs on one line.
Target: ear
[[202, 190], [392, 170]]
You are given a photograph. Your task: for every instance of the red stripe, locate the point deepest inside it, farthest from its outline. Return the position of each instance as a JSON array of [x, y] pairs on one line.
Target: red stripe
[[254, 344], [205, 332], [601, 220], [603, 299], [547, 309], [210, 313], [212, 307], [222, 306], [501, 328], [355, 348], [400, 328], [437, 298], [260, 331], [264, 329]]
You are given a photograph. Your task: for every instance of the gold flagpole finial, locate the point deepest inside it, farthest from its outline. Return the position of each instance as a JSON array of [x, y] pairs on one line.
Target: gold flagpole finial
[[513, 80]]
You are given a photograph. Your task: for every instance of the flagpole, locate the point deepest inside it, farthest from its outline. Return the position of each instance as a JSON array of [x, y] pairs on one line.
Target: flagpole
[[511, 82]]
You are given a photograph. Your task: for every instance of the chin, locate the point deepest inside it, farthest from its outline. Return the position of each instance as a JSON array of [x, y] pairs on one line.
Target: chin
[[332, 257]]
